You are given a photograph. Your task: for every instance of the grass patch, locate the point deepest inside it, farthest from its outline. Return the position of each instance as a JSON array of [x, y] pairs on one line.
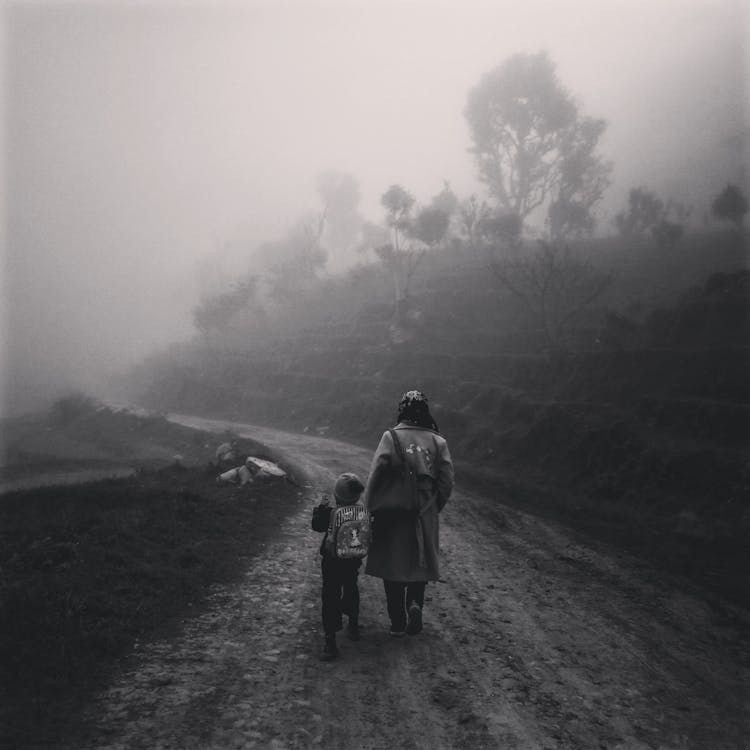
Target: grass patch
[[89, 569]]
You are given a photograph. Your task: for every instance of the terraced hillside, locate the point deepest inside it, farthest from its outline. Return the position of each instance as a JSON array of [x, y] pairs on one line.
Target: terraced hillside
[[641, 429]]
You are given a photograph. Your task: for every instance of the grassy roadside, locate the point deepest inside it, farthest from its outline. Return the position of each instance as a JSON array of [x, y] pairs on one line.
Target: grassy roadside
[[88, 570]]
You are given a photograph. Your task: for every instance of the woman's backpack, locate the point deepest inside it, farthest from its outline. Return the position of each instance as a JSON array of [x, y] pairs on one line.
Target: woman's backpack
[[393, 484]]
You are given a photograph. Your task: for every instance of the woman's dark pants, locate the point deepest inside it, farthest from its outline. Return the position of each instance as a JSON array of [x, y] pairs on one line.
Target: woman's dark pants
[[399, 597]]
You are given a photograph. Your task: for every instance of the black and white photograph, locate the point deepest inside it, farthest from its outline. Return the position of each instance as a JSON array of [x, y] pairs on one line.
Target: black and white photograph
[[374, 375]]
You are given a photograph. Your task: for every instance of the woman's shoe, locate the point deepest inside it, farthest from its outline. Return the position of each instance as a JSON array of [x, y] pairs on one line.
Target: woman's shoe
[[414, 625]]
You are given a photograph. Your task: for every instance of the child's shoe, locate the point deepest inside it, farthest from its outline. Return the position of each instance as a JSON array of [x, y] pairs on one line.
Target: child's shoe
[[414, 624], [330, 652]]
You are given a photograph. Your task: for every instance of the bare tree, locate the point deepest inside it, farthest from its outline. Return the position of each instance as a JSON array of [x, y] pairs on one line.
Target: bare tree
[[488, 231], [472, 214], [553, 286]]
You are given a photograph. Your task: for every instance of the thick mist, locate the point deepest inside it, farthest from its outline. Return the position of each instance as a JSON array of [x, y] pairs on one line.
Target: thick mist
[[150, 148]]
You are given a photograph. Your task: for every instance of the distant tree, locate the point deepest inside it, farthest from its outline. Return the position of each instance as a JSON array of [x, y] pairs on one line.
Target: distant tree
[[486, 231], [340, 196], [471, 212], [430, 225], [293, 264], [554, 286], [646, 213], [534, 147], [412, 232], [583, 179], [308, 254], [446, 200], [678, 212], [569, 219], [401, 265], [215, 314], [398, 204], [501, 231], [372, 235], [643, 212], [731, 205], [399, 257]]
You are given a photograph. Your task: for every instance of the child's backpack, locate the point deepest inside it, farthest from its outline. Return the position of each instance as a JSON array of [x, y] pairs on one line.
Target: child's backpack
[[349, 531]]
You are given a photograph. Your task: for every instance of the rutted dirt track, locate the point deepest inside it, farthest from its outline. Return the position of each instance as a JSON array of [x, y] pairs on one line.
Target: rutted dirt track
[[531, 640]]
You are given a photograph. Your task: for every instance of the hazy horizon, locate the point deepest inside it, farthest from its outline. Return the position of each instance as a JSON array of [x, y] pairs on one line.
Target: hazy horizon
[[148, 142]]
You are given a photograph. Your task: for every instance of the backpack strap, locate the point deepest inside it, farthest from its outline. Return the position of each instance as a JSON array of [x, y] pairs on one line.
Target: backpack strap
[[397, 446], [418, 522], [408, 474], [329, 540]]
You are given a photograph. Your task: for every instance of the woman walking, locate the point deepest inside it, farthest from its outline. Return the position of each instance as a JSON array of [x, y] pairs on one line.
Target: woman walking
[[410, 481]]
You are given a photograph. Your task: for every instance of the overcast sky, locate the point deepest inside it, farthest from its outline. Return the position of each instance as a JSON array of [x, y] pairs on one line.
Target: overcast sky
[[142, 138]]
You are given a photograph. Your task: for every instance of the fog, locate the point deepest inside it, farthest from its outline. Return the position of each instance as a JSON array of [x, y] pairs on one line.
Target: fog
[[150, 147]]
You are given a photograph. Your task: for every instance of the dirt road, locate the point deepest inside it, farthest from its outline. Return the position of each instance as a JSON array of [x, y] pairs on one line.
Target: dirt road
[[532, 640]]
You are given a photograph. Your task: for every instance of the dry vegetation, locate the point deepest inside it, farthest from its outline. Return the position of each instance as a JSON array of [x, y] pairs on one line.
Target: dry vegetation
[[90, 570]]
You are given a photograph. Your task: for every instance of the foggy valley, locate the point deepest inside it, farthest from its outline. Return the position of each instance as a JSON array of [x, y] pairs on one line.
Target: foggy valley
[[241, 241], [151, 149]]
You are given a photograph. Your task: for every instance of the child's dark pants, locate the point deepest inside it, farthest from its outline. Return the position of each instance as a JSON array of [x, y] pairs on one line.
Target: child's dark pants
[[399, 596], [340, 594]]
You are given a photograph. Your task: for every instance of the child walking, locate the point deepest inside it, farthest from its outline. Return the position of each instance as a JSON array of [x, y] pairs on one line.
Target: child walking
[[340, 594]]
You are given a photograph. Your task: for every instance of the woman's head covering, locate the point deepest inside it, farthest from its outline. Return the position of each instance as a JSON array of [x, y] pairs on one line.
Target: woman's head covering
[[413, 409]]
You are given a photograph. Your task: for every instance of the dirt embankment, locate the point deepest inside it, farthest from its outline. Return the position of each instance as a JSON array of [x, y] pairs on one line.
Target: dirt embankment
[[533, 639]]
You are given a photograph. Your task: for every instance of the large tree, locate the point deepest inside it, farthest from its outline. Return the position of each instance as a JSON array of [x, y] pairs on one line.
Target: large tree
[[399, 257], [412, 233], [533, 147], [731, 205]]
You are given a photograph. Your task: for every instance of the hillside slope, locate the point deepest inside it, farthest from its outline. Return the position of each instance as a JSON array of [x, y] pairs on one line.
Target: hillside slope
[[642, 433]]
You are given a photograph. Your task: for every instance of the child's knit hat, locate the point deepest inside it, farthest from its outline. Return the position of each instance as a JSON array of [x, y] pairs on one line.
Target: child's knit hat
[[347, 489]]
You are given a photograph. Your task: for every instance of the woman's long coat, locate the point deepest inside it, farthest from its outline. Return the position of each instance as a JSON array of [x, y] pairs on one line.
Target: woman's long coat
[[395, 548]]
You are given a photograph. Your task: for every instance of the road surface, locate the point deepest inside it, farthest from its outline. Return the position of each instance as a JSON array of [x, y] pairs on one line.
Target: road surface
[[533, 639]]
